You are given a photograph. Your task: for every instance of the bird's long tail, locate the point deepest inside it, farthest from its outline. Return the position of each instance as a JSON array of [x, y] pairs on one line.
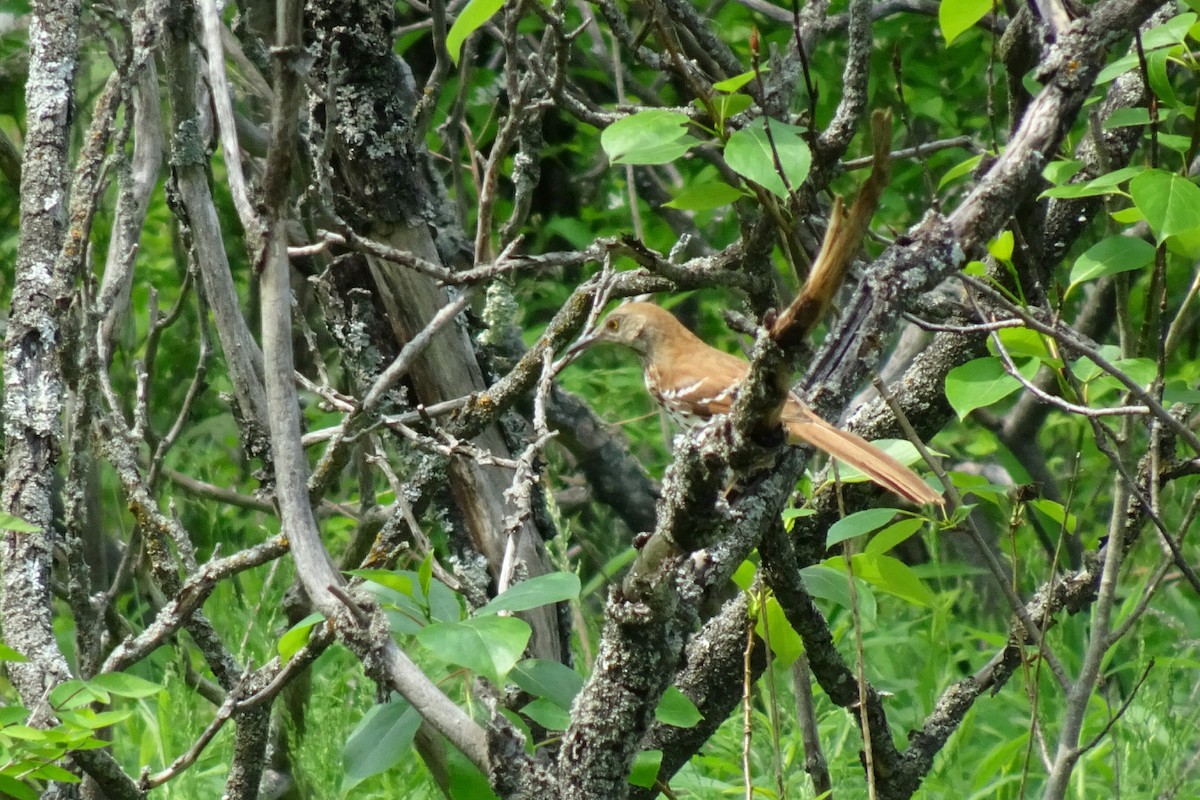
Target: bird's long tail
[[877, 465]]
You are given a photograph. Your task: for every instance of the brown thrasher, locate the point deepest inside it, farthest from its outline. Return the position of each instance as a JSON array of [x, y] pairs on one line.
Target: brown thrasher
[[694, 382]]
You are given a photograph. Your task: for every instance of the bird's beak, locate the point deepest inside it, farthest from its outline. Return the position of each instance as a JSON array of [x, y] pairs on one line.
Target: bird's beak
[[584, 343]]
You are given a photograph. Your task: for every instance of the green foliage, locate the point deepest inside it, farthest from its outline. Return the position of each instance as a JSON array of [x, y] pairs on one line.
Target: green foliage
[[675, 709], [983, 381], [380, 741], [858, 524], [10, 523], [1109, 257], [550, 680], [959, 16], [647, 137], [1105, 184], [1169, 203], [774, 629], [704, 197], [888, 574], [298, 635], [537, 591], [829, 583], [752, 152], [490, 646], [473, 16], [28, 755], [645, 768]]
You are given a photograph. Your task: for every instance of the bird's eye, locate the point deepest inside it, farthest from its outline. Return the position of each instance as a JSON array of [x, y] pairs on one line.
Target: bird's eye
[[612, 324]]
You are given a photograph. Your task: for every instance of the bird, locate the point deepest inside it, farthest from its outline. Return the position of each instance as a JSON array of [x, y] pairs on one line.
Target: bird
[[694, 382]]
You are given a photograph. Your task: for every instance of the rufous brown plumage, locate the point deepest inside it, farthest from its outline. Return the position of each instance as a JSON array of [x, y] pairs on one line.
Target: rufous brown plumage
[[694, 382]]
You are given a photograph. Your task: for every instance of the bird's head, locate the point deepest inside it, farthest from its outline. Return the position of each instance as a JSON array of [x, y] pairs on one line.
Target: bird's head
[[638, 326]]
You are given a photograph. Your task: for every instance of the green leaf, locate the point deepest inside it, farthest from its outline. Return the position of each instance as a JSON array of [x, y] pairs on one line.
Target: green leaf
[[1126, 117], [466, 781], [1108, 183], [523, 728], [888, 574], [736, 82], [1087, 370], [297, 636], [75, 694], [8, 654], [53, 772], [1173, 141], [790, 515], [10, 786], [380, 741], [705, 197], [1186, 244], [674, 708], [551, 680], [396, 581], [489, 646], [858, 524], [749, 153], [1127, 216], [1056, 512], [743, 576], [1156, 75], [893, 535], [645, 768], [538, 591], [1116, 68], [896, 578], [10, 523], [124, 685], [1178, 391], [1170, 33], [599, 582], [1057, 172], [940, 571], [1001, 247], [409, 611], [728, 105], [773, 626], [997, 760], [425, 574], [1110, 256], [960, 169], [1170, 203], [27, 734], [1141, 371], [981, 382], [956, 17], [95, 720], [653, 136], [11, 715], [549, 715], [1024, 343], [474, 15], [830, 584]]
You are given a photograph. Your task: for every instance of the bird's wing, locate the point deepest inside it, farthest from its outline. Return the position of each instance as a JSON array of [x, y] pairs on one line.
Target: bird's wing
[[805, 426], [710, 378]]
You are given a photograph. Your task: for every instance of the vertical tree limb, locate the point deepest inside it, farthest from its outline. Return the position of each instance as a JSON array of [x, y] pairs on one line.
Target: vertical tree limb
[[381, 656], [34, 392]]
